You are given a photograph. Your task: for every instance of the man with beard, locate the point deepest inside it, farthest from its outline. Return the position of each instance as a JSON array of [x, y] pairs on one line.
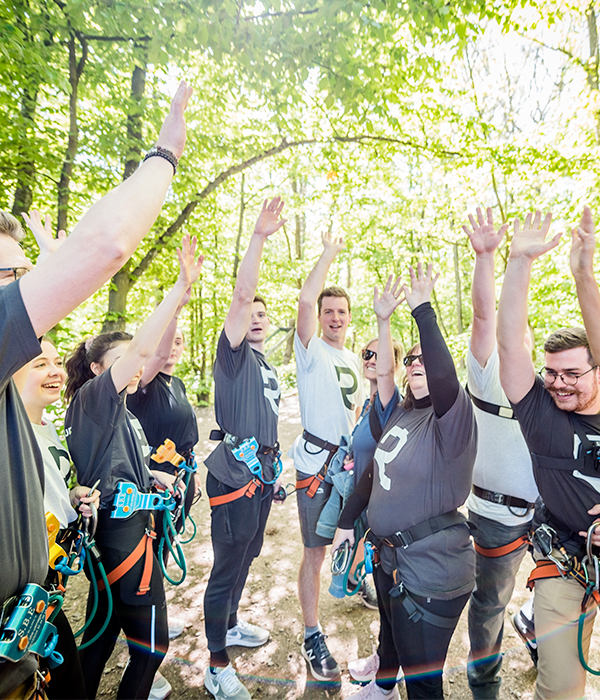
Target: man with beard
[[558, 414]]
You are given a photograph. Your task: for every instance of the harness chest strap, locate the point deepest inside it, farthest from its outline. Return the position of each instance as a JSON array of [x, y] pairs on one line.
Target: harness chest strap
[[494, 552], [248, 490]]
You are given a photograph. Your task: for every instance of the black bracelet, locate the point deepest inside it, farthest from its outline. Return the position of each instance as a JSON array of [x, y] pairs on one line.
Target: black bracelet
[[163, 153]]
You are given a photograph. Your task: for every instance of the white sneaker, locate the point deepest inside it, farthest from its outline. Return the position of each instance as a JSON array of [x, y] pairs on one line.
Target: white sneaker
[[244, 634], [176, 626], [374, 692], [161, 687], [225, 685], [365, 670]]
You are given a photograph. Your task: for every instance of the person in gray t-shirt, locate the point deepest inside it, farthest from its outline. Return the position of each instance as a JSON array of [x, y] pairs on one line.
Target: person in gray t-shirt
[[246, 406]]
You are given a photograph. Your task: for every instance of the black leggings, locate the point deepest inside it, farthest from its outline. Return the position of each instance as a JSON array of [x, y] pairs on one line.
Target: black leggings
[[419, 647]]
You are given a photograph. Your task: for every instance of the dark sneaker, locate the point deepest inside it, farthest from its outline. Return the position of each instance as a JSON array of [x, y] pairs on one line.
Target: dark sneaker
[[322, 664], [524, 627], [368, 595]]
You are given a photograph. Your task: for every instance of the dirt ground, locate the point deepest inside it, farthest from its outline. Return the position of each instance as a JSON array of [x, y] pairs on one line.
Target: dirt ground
[[277, 670]]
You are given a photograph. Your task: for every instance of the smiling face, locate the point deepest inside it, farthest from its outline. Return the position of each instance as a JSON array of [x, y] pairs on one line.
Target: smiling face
[[45, 379], [176, 352], [584, 397], [370, 366], [259, 324], [416, 375], [108, 360], [334, 318], [11, 255]]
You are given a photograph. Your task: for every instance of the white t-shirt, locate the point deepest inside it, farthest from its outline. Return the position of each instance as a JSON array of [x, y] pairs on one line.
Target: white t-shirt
[[57, 467], [330, 387], [503, 462]]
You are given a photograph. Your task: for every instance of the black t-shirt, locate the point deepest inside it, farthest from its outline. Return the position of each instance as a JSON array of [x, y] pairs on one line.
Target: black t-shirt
[[23, 540], [550, 432], [102, 440], [246, 405], [164, 411]]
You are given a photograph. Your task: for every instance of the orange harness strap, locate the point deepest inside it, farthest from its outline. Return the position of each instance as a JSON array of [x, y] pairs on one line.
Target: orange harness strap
[[144, 546], [311, 484], [505, 549], [548, 569], [248, 490]]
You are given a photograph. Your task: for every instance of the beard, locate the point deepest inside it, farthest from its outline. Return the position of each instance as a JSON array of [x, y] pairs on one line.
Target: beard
[[580, 401]]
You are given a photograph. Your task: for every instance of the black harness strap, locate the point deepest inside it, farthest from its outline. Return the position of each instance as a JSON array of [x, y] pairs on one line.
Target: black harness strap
[[417, 612], [404, 538], [318, 442], [494, 409], [501, 498]]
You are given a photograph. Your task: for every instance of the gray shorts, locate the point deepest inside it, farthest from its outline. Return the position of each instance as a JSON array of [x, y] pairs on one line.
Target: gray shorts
[[309, 510]]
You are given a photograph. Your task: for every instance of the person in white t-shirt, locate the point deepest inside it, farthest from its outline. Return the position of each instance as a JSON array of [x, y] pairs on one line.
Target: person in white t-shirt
[[330, 391], [503, 493]]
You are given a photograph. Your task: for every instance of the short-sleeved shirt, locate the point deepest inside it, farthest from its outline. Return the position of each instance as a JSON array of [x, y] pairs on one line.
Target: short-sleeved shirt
[[57, 470], [551, 432], [246, 405], [423, 468], [163, 409], [329, 390], [503, 462], [23, 539], [103, 440]]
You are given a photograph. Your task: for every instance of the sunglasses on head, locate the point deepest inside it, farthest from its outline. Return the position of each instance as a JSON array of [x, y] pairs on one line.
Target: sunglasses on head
[[409, 359], [368, 354]]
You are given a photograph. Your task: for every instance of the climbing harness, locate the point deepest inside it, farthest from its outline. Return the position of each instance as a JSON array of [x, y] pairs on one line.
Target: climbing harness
[[312, 483], [494, 409], [493, 552], [247, 453], [503, 499]]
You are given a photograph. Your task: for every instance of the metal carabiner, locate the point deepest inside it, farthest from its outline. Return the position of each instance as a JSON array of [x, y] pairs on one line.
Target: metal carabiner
[[590, 556]]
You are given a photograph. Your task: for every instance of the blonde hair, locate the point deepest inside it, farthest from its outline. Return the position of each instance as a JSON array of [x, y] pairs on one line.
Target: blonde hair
[[10, 226], [398, 352]]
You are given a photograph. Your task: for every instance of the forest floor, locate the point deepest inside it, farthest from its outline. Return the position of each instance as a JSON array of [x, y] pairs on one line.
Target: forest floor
[[277, 670]]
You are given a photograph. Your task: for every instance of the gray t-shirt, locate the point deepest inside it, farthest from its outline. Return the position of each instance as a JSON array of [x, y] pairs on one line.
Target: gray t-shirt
[[422, 468], [103, 442], [23, 539], [246, 405]]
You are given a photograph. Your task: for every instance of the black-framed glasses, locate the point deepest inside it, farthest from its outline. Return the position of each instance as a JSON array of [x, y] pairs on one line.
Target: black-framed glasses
[[18, 272], [409, 359], [368, 354], [568, 378]]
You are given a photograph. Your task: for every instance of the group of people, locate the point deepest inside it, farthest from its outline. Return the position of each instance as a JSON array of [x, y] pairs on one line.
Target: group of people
[[520, 449]]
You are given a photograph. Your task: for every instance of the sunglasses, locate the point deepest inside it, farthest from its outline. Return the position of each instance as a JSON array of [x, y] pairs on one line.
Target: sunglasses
[[409, 359], [368, 354]]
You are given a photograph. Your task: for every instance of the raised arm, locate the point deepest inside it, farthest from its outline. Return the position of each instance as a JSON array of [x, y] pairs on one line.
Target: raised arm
[[583, 246], [313, 286], [384, 306], [240, 310], [42, 232], [484, 241], [517, 373], [146, 340], [107, 235]]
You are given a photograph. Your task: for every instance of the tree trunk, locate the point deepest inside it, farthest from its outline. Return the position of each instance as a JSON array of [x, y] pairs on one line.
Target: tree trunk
[[134, 118], [238, 240], [116, 318], [459, 304], [26, 170], [289, 346]]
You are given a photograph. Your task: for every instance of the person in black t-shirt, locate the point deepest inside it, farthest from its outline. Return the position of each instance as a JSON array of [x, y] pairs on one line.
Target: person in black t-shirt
[[559, 416], [246, 406], [104, 445], [31, 304]]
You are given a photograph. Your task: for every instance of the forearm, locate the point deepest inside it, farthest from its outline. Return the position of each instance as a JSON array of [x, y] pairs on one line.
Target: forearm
[[358, 500], [385, 362], [588, 296], [483, 297], [315, 281], [441, 373]]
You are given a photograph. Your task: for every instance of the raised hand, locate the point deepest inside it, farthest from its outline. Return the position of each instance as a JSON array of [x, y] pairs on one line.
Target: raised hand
[[268, 220], [189, 267], [173, 131], [421, 286], [583, 244], [331, 243], [529, 242], [484, 238], [385, 304], [43, 233]]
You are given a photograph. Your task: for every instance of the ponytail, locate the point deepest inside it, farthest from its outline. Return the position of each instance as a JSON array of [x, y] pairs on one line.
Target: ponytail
[[78, 365]]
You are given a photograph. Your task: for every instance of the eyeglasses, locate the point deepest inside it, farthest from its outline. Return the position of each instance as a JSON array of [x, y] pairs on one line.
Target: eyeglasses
[[568, 378], [409, 359], [368, 354], [18, 272]]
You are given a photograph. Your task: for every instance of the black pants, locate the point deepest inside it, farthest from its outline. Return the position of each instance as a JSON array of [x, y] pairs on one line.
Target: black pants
[[144, 623], [420, 648], [66, 680], [237, 533]]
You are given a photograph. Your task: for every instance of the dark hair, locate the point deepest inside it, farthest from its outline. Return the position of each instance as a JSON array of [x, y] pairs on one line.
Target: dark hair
[[409, 398], [333, 292], [257, 297], [78, 365], [567, 339]]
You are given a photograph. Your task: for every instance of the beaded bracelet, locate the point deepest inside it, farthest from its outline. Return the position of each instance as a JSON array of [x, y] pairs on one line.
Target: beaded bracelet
[[163, 153]]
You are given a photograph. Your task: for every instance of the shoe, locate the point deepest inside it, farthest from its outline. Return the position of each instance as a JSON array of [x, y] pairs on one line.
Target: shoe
[[374, 692], [245, 634], [176, 626], [322, 664], [368, 595], [225, 685], [365, 670], [161, 687], [524, 627]]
